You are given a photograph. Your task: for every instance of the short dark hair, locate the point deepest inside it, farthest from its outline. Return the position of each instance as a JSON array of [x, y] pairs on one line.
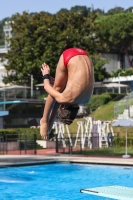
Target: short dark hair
[[67, 113]]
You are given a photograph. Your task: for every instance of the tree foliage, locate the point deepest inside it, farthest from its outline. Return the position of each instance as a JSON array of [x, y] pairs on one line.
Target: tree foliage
[[115, 10], [81, 9], [117, 32], [98, 67], [130, 9], [39, 37], [122, 72], [42, 37], [26, 48]]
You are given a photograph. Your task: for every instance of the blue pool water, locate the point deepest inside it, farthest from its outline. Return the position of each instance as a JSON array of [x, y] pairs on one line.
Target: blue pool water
[[60, 181]]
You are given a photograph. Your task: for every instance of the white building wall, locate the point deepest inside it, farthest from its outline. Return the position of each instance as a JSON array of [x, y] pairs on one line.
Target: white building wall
[[2, 70], [113, 64], [2, 74]]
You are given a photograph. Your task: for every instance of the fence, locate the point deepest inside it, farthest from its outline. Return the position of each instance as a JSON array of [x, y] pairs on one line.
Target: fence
[[17, 143], [20, 144], [65, 145]]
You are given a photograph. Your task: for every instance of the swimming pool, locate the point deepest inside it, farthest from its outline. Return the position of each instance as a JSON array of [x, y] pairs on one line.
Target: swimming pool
[[60, 181]]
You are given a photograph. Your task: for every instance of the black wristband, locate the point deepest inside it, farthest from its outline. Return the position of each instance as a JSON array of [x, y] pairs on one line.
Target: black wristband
[[46, 76]]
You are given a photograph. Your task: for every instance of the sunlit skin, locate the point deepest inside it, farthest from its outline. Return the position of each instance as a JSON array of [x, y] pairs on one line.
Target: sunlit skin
[[73, 85]]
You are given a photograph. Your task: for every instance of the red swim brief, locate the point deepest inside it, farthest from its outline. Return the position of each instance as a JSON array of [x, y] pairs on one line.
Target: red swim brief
[[69, 53]]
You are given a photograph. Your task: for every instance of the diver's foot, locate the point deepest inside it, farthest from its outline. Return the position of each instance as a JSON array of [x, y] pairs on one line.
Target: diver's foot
[[43, 129]]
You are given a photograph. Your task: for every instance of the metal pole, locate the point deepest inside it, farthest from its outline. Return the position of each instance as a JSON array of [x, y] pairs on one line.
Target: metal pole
[[20, 142], [119, 84], [3, 142], [25, 144], [34, 143], [119, 81], [4, 97], [70, 149], [126, 141], [56, 135], [126, 155], [6, 141], [32, 86]]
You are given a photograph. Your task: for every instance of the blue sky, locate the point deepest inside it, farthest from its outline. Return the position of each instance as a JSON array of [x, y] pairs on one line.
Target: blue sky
[[9, 7]]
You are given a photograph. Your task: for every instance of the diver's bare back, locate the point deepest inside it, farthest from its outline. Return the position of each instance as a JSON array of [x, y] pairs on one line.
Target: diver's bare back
[[80, 79]]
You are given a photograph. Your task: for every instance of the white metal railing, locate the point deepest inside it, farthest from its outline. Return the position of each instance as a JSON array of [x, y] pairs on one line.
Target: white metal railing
[[117, 79]]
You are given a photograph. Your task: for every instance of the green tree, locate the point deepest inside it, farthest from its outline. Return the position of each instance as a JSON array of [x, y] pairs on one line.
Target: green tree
[[99, 71], [99, 11], [42, 37], [63, 10], [81, 9], [27, 47], [117, 32], [130, 9], [115, 10]]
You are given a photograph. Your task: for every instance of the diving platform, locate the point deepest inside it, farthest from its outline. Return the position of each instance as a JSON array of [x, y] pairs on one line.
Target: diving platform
[[114, 192]]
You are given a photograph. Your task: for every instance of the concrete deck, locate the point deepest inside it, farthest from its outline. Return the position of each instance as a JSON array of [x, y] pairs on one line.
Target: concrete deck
[[23, 160]]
